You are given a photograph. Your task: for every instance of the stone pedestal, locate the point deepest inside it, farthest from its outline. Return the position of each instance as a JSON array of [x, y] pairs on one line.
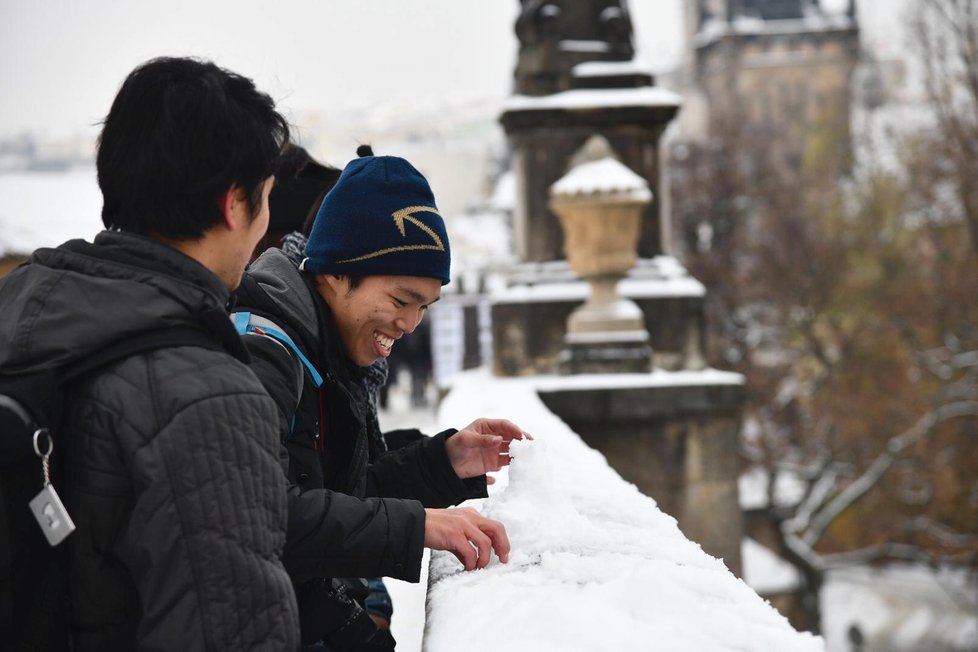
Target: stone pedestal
[[529, 318], [674, 435]]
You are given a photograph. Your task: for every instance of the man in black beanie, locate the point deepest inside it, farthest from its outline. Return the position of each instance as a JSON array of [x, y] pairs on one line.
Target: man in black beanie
[[376, 259]]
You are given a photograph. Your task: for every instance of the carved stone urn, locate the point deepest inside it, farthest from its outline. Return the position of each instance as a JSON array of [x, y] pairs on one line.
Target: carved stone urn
[[599, 204]]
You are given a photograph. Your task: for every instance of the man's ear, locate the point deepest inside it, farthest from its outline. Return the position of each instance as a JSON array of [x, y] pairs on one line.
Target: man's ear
[[231, 203], [330, 285]]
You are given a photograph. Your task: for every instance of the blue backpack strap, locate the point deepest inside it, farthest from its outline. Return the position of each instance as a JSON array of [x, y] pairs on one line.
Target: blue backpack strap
[[246, 322]]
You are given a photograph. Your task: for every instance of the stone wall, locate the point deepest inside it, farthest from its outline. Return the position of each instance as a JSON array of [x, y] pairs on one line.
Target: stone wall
[[528, 335]]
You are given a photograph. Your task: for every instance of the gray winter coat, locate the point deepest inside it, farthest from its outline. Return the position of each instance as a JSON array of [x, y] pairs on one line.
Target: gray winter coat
[[338, 525], [173, 475]]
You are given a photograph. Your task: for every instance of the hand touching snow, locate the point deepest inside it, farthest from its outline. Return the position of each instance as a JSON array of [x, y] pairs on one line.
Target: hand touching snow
[[482, 446], [467, 534]]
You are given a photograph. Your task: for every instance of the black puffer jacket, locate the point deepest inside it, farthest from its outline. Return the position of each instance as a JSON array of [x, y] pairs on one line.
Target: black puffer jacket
[[174, 478], [336, 528]]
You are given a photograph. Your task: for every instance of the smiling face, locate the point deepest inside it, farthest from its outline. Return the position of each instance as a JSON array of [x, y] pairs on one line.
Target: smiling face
[[379, 311]]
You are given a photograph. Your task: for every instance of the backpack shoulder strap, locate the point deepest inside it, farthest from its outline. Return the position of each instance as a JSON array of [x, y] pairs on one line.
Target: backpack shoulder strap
[[248, 322], [150, 340]]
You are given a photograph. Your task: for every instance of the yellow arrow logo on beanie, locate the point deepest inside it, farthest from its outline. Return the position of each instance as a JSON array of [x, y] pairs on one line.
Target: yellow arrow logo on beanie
[[401, 216]]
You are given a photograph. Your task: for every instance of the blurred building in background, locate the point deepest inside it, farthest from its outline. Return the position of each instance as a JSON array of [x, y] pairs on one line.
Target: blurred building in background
[[776, 69]]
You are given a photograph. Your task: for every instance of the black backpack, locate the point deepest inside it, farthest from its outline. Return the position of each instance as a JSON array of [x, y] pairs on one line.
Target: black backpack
[[34, 606]]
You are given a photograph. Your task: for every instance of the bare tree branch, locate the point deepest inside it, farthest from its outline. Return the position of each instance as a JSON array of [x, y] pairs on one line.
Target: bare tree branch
[[868, 479]]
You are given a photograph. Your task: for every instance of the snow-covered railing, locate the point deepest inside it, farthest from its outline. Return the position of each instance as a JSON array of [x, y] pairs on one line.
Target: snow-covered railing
[[595, 565]]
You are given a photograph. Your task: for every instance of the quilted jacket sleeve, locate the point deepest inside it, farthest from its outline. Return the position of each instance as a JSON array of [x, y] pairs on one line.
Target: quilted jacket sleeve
[[223, 503]]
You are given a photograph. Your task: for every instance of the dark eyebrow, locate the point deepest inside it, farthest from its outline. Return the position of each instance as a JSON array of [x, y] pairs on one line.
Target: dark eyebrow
[[417, 296]]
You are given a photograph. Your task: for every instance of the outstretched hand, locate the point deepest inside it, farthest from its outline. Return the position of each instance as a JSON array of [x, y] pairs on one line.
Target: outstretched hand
[[467, 534], [482, 446]]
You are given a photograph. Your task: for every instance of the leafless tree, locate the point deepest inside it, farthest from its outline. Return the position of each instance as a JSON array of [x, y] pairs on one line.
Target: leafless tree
[[848, 301]]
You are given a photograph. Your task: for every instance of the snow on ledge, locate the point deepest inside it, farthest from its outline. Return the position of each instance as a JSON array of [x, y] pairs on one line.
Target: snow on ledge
[[610, 68], [765, 572], [633, 288], [595, 565], [583, 99], [713, 30], [607, 178], [655, 378]]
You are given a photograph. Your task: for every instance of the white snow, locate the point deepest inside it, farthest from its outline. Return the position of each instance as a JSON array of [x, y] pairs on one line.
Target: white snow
[[660, 276], [902, 608], [479, 240], [655, 378], [595, 565], [607, 68], [407, 623], [766, 572], [44, 209], [789, 488], [571, 45], [608, 178], [583, 99], [504, 194], [633, 288], [601, 337], [714, 29]]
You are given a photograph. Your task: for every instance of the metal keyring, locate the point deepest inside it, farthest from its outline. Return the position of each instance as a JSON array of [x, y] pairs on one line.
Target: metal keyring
[[37, 435]]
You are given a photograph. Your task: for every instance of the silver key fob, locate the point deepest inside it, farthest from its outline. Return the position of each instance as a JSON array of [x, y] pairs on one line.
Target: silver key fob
[[51, 515]]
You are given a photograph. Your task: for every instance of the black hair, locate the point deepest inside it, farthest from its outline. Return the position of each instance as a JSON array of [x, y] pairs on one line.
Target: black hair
[[300, 185], [179, 134]]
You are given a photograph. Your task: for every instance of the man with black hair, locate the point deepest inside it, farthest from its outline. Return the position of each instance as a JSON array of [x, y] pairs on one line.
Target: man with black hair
[[170, 458]]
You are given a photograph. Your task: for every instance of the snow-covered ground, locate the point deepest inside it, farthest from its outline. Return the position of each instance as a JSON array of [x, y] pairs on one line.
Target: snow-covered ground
[[901, 608], [43, 209], [407, 623], [595, 564]]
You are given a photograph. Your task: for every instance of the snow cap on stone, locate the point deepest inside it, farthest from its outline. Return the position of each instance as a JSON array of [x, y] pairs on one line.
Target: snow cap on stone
[[597, 174]]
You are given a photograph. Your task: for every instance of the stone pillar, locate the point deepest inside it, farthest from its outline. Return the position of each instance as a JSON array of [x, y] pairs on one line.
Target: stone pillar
[[710, 511]]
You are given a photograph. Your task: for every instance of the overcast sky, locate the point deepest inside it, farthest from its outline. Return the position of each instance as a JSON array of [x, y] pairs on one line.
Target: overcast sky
[[61, 61]]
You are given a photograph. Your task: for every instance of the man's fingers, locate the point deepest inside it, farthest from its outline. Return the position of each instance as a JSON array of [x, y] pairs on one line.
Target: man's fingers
[[482, 544], [465, 552], [500, 540], [509, 430], [467, 534], [502, 427]]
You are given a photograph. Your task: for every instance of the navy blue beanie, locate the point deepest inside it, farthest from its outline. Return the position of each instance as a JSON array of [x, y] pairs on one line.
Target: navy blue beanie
[[379, 219]]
